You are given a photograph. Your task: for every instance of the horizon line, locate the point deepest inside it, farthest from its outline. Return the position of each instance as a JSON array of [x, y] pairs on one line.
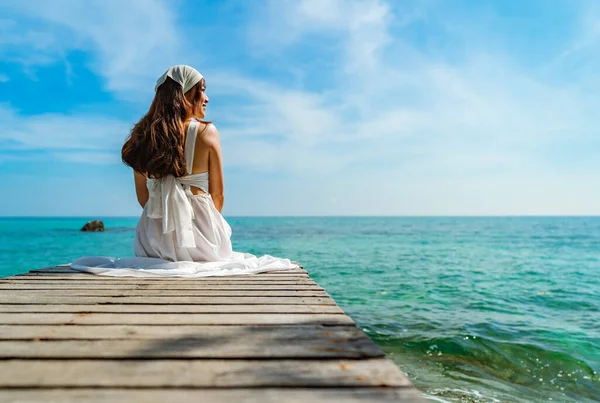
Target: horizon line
[[340, 216]]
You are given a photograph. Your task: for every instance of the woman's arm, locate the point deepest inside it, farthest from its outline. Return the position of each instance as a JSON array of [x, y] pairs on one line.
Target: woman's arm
[[215, 166], [141, 189]]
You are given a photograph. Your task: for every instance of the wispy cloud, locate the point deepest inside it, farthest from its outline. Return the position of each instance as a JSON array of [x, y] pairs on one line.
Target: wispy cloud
[[448, 115], [128, 39], [60, 132]]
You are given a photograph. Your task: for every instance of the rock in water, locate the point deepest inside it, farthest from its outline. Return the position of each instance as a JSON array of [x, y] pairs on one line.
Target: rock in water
[[93, 226]]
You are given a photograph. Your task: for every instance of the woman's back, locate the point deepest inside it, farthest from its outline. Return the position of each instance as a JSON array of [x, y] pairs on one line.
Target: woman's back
[[196, 156], [201, 152], [205, 158]]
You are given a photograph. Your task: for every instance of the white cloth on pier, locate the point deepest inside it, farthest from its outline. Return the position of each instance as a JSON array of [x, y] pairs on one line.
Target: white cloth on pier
[[181, 234]]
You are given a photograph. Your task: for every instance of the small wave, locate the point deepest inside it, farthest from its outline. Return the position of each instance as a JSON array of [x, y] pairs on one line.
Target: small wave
[[458, 395], [496, 365]]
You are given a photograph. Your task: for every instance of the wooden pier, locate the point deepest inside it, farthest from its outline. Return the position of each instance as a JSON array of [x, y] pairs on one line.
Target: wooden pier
[[67, 336]]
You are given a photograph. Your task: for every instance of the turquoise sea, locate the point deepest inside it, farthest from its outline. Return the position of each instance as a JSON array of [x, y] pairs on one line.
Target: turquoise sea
[[472, 309]]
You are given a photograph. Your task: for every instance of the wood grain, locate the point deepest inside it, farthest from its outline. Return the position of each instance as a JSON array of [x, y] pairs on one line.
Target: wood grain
[[199, 373], [67, 336], [170, 308], [172, 319], [236, 395], [223, 300]]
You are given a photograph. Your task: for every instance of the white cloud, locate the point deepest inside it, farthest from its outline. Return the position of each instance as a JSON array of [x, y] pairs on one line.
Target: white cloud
[[60, 132], [461, 112], [478, 135], [130, 41]]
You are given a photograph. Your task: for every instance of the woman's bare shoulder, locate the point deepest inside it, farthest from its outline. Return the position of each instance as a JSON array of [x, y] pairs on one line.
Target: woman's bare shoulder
[[208, 134]]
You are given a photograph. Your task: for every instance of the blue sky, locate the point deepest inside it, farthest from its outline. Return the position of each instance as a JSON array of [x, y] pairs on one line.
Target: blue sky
[[325, 107]]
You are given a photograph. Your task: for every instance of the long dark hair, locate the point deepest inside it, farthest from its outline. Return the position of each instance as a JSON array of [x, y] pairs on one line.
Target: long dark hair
[[155, 145]]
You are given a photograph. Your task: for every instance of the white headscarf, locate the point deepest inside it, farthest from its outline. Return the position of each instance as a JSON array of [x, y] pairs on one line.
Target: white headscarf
[[187, 76]]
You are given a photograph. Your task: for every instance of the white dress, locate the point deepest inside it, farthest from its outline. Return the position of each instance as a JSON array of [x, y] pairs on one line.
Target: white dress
[[181, 234]]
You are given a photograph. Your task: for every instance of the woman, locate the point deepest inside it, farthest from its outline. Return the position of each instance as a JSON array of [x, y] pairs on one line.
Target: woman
[[178, 175]]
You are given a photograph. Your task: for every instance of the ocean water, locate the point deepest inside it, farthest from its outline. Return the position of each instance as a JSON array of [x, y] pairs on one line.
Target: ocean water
[[472, 309]]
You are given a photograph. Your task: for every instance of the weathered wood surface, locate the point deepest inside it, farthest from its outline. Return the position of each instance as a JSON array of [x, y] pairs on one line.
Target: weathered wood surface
[[237, 395], [165, 293], [170, 308], [201, 373], [68, 336], [60, 299], [215, 333], [14, 287], [172, 319], [186, 341]]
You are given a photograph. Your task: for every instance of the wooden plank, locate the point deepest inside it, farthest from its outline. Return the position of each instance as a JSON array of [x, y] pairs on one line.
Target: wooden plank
[[164, 293], [149, 332], [171, 308], [177, 349], [172, 319], [27, 299], [266, 395], [200, 373], [137, 287], [239, 342]]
